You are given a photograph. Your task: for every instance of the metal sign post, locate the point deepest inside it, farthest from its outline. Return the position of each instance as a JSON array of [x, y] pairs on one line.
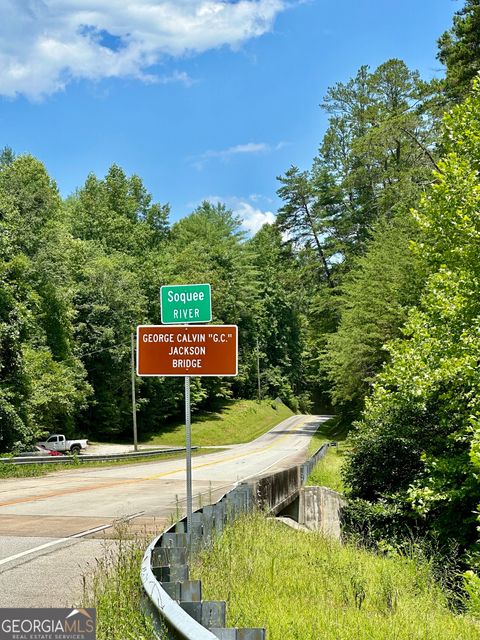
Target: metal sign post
[[188, 444], [184, 351], [134, 403]]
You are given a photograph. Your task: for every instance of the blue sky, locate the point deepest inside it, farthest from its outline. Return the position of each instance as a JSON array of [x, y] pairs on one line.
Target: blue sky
[[201, 98]]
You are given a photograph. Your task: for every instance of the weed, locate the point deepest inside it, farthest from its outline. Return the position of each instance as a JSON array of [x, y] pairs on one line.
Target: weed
[[114, 588]]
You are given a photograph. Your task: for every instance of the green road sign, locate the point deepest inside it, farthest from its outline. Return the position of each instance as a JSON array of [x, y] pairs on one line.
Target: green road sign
[[185, 303]]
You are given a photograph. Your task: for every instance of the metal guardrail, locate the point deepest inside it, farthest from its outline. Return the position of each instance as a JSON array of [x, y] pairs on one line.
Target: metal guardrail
[[307, 467], [170, 596], [90, 457]]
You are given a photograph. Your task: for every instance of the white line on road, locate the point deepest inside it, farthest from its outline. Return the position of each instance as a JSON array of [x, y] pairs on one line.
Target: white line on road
[[82, 534]]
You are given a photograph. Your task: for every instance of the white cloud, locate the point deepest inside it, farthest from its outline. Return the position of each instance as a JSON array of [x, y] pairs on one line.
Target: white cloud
[[250, 148], [44, 44], [253, 218], [177, 76]]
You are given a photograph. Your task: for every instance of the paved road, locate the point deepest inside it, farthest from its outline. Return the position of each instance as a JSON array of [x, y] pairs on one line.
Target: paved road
[[52, 528]]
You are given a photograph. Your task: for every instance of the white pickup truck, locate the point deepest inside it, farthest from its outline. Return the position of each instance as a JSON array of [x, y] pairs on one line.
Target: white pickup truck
[[58, 442]]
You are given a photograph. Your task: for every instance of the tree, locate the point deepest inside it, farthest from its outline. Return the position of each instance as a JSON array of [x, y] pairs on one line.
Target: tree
[[374, 162], [35, 196], [109, 303], [42, 382], [118, 213], [306, 213], [416, 445], [378, 149], [7, 157], [459, 50], [376, 297], [113, 263], [278, 322], [14, 418]]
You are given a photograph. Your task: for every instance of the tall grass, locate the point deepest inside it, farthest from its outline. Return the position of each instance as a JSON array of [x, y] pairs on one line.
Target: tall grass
[[303, 586], [114, 588]]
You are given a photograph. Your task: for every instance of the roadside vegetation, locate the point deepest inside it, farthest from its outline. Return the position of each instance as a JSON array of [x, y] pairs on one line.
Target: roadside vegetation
[[327, 472], [363, 294], [113, 587], [237, 422], [305, 586]]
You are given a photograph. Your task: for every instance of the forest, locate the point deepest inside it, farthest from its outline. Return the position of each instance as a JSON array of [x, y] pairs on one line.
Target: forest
[[362, 299]]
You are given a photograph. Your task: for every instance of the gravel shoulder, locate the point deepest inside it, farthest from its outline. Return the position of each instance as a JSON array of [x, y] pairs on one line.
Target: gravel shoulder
[[103, 449]]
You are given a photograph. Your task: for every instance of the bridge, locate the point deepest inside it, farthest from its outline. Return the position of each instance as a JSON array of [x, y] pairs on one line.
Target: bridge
[[171, 596]]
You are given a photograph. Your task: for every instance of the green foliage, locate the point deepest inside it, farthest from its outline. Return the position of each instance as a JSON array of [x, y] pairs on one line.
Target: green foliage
[[57, 390], [34, 196], [376, 296], [108, 244], [327, 472], [41, 380], [459, 50], [305, 586], [13, 428], [118, 213], [416, 443], [109, 304], [472, 587], [348, 223], [77, 277], [7, 156], [308, 211], [278, 322], [115, 590], [377, 149]]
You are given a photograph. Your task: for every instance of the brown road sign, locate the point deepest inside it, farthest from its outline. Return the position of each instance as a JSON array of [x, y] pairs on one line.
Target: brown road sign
[[207, 350]]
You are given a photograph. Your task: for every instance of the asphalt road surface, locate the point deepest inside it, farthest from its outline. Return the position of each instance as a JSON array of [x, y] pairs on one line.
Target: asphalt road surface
[[53, 528]]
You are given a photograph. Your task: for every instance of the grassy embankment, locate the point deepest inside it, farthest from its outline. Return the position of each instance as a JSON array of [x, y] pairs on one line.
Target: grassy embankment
[[314, 587], [327, 472], [304, 586], [239, 421]]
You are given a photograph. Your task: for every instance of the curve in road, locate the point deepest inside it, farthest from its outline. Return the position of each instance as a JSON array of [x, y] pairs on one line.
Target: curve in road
[[53, 527]]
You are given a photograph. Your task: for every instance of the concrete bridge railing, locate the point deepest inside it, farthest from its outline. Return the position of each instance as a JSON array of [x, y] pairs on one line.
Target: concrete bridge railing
[[171, 598]]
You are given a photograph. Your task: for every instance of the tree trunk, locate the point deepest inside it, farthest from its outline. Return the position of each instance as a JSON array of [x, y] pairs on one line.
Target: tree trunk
[[319, 246]]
